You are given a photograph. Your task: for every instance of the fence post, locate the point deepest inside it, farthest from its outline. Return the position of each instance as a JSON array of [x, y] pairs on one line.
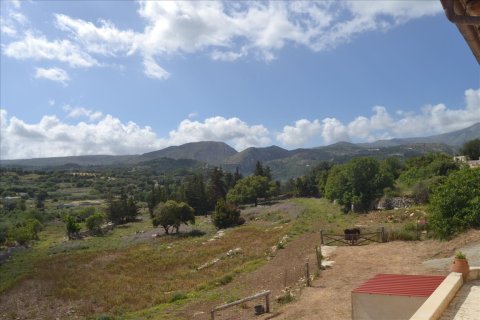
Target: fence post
[[307, 274], [267, 303], [382, 234], [212, 315], [321, 236], [318, 251]]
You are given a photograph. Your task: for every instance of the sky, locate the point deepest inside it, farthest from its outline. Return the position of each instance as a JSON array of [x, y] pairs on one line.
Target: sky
[[128, 77]]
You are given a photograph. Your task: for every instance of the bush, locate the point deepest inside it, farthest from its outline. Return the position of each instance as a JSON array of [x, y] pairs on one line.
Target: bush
[[72, 226], [226, 215], [177, 296], [25, 232], [455, 203], [94, 223]]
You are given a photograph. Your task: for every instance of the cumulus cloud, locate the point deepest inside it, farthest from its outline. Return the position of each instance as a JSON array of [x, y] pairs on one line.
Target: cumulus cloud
[[233, 131], [109, 135], [433, 119], [224, 31], [53, 74], [51, 137]]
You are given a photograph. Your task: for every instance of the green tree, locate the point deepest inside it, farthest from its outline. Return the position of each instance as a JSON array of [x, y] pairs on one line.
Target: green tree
[[471, 149], [172, 214], [426, 167], [72, 226], [249, 189], [226, 215], [217, 189], [261, 171], [357, 183], [455, 203], [195, 193], [121, 210], [94, 222], [25, 231]]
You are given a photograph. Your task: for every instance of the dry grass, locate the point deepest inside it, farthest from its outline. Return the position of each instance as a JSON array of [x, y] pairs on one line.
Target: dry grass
[[151, 273]]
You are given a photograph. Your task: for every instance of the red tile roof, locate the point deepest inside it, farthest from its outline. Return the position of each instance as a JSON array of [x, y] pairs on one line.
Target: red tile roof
[[401, 285]]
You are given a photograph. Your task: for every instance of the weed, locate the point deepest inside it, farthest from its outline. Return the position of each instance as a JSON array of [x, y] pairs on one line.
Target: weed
[[177, 296]]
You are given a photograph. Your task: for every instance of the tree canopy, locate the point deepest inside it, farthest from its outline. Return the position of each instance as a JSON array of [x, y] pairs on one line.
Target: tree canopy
[[471, 149], [249, 189], [455, 203], [357, 182], [172, 214]]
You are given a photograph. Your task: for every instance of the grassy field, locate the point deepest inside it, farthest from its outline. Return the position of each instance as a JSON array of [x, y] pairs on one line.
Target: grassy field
[[131, 275]]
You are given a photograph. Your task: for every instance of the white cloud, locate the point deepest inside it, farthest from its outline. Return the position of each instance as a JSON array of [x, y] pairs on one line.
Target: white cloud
[[153, 70], [434, 119], [78, 112], [300, 133], [108, 135], [53, 74], [224, 31], [105, 39], [233, 131], [40, 48], [51, 137]]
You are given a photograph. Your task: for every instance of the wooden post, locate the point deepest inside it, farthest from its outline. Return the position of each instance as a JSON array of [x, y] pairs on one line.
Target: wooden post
[[318, 252], [321, 236], [267, 303], [307, 274], [212, 315], [382, 234]]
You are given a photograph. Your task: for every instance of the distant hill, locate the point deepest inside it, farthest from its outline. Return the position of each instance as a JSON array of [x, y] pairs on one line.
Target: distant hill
[[284, 163], [68, 162], [247, 159], [455, 138], [210, 152]]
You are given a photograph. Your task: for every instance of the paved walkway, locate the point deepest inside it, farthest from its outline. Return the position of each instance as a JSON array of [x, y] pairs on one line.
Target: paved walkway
[[466, 304]]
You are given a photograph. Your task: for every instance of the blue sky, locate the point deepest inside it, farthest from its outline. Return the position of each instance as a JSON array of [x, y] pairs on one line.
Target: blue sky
[[93, 77]]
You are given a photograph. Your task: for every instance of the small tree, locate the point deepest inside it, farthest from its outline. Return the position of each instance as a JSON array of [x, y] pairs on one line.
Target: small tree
[[94, 223], [226, 215], [72, 227], [172, 214], [471, 149]]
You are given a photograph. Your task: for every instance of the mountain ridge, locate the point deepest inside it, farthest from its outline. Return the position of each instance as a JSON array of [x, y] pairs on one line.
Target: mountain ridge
[[284, 163]]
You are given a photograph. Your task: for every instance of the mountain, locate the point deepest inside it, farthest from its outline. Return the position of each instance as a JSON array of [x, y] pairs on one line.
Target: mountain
[[284, 163], [211, 152], [70, 162], [247, 159], [455, 138]]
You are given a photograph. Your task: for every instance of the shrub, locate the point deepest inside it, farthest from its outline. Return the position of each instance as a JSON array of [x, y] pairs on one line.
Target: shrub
[[72, 226], [94, 223], [25, 231], [455, 203], [226, 215], [177, 296]]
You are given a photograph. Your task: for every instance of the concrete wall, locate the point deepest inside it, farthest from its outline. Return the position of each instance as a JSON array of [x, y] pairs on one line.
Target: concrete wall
[[436, 304], [380, 307]]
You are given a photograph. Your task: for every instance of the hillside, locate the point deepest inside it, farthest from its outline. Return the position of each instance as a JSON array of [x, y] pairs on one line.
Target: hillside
[[284, 163], [207, 151], [454, 139]]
